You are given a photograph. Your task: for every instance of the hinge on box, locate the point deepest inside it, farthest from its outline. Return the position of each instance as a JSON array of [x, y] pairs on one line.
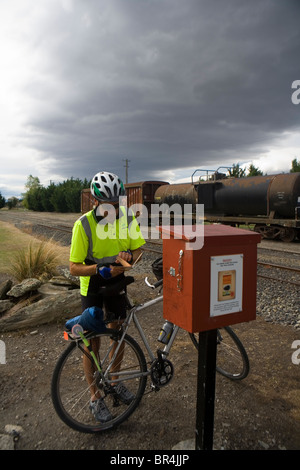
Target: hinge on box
[[179, 275]]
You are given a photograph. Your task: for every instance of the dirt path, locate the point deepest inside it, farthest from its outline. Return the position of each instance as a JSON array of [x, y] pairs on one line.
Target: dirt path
[[260, 412]]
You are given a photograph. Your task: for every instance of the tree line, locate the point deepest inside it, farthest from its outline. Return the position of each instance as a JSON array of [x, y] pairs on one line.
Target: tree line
[[237, 172], [61, 197]]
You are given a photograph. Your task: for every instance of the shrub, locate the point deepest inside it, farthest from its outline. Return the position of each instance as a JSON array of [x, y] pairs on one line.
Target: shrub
[[38, 260]]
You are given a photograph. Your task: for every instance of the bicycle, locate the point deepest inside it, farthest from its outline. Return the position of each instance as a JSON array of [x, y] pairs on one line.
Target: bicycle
[[71, 392]]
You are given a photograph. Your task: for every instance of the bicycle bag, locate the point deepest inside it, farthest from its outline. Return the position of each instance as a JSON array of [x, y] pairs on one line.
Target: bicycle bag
[[157, 268], [90, 320]]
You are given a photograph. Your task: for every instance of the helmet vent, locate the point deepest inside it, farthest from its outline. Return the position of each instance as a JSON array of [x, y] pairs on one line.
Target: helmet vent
[[108, 190]]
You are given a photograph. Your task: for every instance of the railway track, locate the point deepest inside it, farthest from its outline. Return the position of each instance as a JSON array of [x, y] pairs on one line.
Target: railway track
[[59, 228]]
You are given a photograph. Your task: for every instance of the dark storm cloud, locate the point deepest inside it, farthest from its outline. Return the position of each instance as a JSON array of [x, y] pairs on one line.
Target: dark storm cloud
[[167, 84]]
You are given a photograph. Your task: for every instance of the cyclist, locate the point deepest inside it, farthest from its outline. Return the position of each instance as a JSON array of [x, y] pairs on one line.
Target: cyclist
[[98, 237]]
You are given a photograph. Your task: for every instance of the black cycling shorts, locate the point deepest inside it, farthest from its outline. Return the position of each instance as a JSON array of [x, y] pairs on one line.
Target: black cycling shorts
[[114, 306]]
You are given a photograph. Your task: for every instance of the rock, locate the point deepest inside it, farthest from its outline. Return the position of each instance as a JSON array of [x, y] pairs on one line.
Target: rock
[[64, 271], [25, 286], [13, 429], [5, 305], [185, 445], [61, 281], [24, 302], [51, 289], [6, 442], [5, 286], [49, 309], [264, 445]]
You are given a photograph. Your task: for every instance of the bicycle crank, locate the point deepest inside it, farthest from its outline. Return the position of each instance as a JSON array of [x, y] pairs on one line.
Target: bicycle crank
[[161, 372]]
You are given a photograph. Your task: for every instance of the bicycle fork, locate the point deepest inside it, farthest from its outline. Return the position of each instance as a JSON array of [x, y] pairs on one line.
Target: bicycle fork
[[89, 347]]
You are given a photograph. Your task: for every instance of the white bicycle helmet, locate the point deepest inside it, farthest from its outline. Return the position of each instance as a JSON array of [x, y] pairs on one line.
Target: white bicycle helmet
[[107, 187]]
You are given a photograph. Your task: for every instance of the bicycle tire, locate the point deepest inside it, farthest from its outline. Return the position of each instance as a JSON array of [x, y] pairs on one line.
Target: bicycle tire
[[70, 391], [232, 358]]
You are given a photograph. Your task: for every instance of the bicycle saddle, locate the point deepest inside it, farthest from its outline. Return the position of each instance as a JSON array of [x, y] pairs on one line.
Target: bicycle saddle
[[117, 287]]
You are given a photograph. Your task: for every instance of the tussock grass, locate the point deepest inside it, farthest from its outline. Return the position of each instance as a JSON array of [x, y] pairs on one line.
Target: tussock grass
[[38, 260]]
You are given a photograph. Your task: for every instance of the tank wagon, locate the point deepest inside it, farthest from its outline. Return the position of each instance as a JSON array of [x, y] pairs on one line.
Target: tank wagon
[[271, 203]]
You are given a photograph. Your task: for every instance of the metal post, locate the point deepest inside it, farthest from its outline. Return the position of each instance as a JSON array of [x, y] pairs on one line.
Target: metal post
[[126, 166], [207, 355]]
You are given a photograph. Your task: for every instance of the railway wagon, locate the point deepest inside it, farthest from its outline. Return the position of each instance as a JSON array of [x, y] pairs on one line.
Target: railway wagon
[[271, 203], [141, 193], [87, 201]]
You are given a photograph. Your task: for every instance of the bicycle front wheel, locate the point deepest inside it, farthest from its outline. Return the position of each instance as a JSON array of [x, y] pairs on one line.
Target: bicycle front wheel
[[232, 358], [76, 378]]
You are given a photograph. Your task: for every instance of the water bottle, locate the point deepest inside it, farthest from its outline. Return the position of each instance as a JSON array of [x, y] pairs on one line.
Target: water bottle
[[165, 332]]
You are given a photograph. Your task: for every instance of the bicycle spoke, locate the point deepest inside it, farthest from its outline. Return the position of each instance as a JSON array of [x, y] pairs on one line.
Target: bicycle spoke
[[74, 384]]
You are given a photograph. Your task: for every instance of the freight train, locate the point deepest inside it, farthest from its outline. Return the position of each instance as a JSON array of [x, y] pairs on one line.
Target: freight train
[[270, 204], [141, 193]]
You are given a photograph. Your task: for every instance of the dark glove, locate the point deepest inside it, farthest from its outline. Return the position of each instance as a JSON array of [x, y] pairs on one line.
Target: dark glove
[[104, 272]]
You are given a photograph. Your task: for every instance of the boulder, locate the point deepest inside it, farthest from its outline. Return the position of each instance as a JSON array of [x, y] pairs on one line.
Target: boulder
[[5, 286], [51, 289], [65, 272], [5, 305], [6, 442], [62, 281], [52, 308], [28, 285]]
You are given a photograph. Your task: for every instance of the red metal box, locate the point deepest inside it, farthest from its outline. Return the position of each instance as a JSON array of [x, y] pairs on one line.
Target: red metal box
[[213, 286]]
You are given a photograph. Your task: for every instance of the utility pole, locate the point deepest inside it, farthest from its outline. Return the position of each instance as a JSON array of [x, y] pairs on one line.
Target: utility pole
[[126, 166]]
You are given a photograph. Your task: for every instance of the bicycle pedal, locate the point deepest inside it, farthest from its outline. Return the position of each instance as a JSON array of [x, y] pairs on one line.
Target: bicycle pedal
[[154, 388]]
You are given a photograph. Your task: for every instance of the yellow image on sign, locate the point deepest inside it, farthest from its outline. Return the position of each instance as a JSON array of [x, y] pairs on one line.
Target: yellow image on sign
[[226, 285]]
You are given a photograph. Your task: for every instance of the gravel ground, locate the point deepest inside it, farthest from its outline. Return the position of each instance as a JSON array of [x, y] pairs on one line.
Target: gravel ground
[[279, 302], [261, 412]]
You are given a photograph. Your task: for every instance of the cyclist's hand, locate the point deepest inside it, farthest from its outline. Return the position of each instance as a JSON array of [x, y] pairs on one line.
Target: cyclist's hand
[[111, 271], [116, 270], [105, 272], [126, 255]]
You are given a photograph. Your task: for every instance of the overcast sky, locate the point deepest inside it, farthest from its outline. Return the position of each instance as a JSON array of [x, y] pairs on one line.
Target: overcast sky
[[171, 85]]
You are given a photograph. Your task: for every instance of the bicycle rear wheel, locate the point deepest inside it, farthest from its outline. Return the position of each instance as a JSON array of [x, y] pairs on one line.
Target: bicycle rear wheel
[[71, 386], [232, 358]]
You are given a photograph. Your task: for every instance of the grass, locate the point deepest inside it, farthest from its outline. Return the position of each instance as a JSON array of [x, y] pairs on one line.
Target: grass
[[38, 260], [23, 255]]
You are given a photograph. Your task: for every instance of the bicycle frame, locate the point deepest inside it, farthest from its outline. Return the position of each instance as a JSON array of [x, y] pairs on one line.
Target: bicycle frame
[[132, 317]]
